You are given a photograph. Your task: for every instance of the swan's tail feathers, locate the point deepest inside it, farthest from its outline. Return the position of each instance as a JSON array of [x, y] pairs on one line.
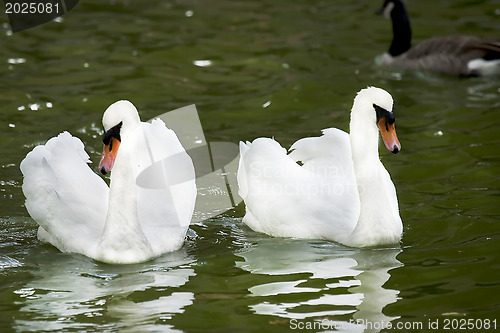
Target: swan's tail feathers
[[241, 175], [258, 168], [252, 156], [244, 147], [261, 149], [62, 193]]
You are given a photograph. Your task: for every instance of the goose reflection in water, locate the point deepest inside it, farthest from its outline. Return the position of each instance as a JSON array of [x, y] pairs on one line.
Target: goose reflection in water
[[345, 285], [67, 289]]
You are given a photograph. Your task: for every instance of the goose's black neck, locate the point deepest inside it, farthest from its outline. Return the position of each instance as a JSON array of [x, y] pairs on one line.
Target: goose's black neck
[[401, 41]]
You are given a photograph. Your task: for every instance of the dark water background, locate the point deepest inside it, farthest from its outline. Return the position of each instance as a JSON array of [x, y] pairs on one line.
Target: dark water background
[[256, 68]]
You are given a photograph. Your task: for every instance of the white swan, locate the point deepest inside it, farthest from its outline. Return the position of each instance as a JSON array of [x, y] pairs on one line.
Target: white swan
[[341, 193], [455, 55], [125, 223]]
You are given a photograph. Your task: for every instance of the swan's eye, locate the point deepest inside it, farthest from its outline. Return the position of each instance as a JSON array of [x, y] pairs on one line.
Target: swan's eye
[[113, 132], [383, 113]]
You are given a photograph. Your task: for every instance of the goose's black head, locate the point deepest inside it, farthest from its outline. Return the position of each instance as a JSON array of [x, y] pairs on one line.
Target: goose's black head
[[396, 11], [392, 7]]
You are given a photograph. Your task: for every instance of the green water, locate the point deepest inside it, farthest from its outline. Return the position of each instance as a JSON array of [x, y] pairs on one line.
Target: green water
[[276, 68]]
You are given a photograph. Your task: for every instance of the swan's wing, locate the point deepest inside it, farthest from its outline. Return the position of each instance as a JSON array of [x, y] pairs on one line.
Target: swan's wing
[[329, 158], [165, 207], [316, 200], [63, 195], [333, 146]]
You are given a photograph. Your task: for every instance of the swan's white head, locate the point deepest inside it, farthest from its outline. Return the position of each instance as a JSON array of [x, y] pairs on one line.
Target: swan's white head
[[375, 106], [118, 119]]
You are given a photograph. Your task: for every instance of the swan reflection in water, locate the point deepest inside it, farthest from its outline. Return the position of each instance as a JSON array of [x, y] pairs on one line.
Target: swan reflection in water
[[71, 292], [332, 282]]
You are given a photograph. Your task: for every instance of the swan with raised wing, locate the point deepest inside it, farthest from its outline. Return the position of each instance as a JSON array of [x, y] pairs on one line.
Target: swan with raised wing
[[333, 187], [125, 222]]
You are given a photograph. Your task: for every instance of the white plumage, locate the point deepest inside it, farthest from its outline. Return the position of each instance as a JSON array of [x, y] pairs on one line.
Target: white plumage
[[341, 192], [124, 223]]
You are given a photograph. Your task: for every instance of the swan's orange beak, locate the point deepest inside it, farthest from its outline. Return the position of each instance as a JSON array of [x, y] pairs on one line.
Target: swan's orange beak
[[389, 136], [109, 155]]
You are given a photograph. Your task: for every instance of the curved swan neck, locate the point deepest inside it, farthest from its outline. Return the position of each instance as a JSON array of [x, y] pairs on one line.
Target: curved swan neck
[[377, 223], [364, 140], [122, 220], [122, 185], [364, 132], [401, 29]]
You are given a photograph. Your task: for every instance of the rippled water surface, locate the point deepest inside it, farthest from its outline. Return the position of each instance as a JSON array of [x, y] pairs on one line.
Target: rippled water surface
[[256, 68]]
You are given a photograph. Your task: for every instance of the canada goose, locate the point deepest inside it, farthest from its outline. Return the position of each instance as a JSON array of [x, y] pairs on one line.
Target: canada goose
[[455, 55]]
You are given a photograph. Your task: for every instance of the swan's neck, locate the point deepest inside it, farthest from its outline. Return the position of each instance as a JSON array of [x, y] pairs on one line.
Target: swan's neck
[[123, 235], [364, 141], [401, 41], [377, 223]]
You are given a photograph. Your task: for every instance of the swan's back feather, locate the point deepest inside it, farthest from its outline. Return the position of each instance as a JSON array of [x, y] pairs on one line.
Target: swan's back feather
[[316, 200], [139, 221], [165, 212], [66, 198], [333, 144]]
